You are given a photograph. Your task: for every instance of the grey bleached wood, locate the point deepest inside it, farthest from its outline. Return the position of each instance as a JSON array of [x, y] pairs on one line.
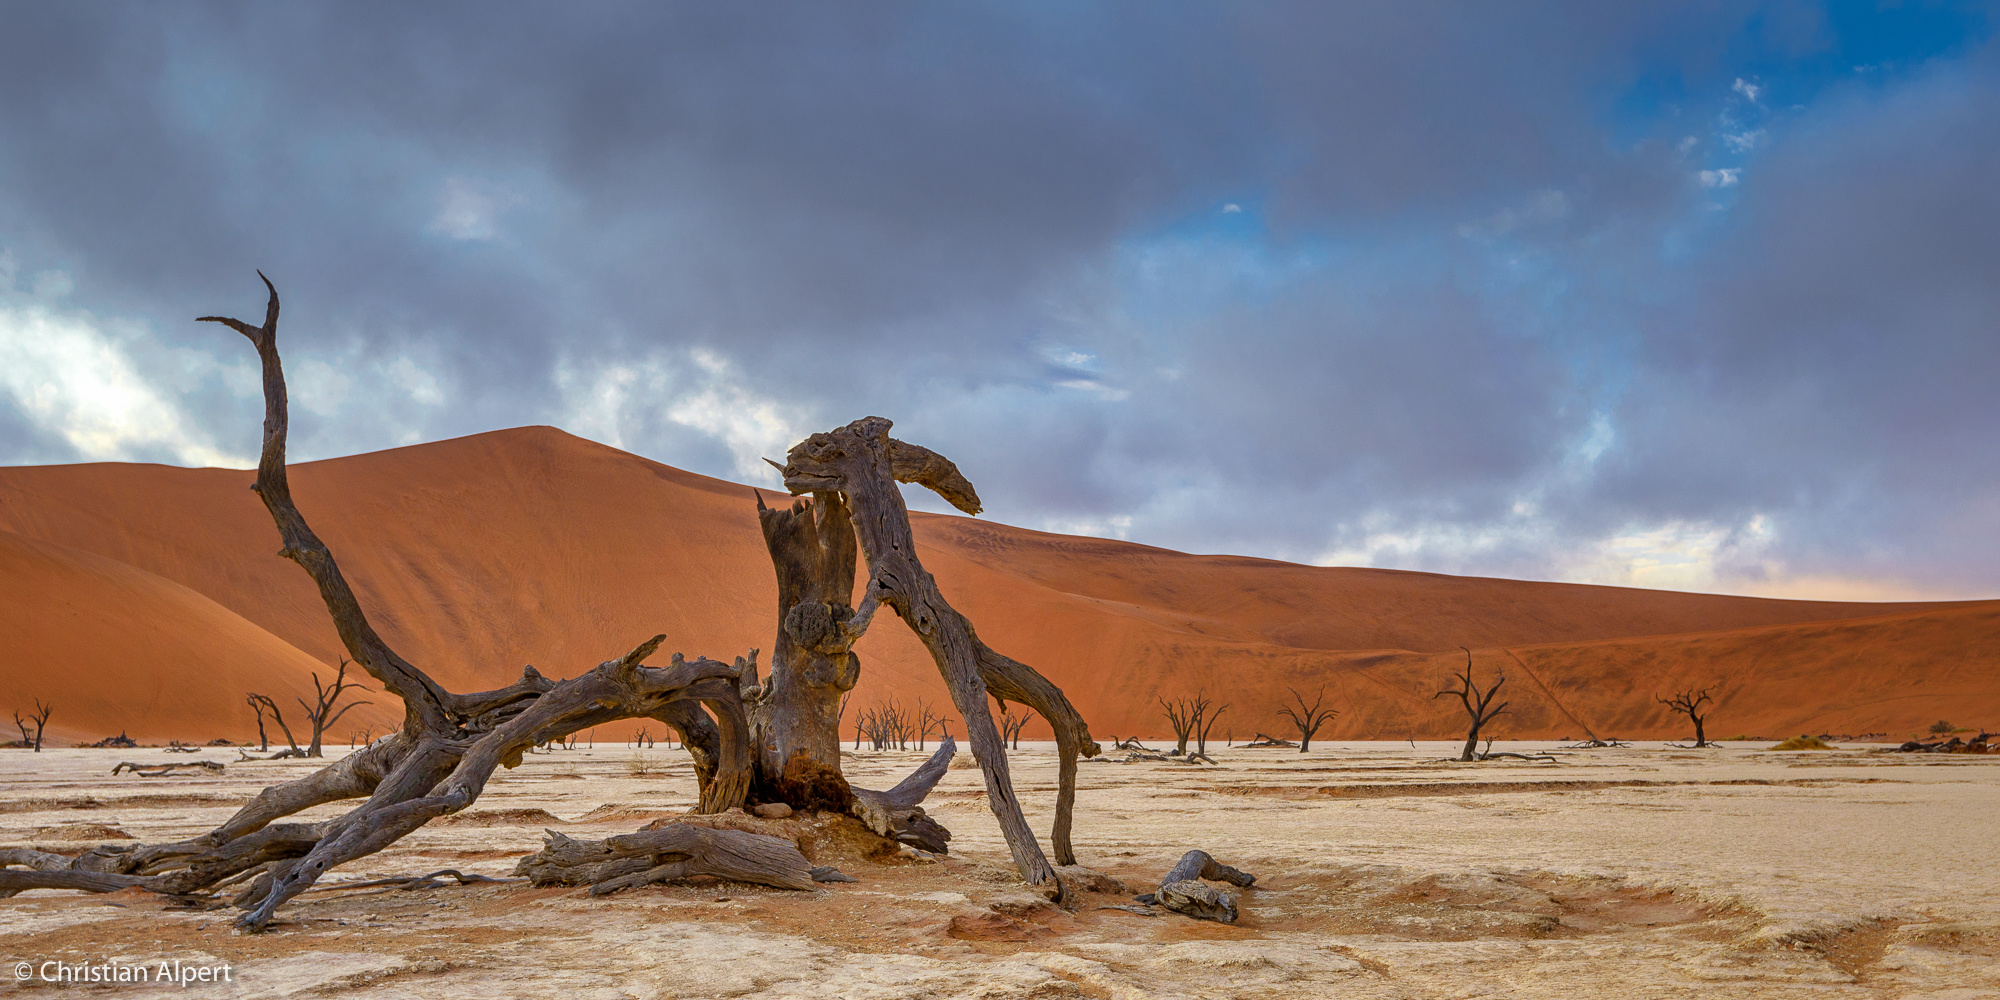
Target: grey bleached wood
[[862, 463], [1182, 891], [674, 851]]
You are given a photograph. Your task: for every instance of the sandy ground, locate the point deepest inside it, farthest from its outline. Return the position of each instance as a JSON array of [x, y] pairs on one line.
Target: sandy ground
[[1383, 872]]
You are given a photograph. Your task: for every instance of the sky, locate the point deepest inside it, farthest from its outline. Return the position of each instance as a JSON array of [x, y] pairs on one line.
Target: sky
[[1699, 296]]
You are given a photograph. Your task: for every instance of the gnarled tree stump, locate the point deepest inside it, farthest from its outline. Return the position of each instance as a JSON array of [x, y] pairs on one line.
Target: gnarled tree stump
[[1182, 891], [863, 464]]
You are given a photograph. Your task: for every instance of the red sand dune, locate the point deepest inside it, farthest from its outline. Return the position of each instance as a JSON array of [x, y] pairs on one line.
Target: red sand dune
[[477, 555], [111, 646]]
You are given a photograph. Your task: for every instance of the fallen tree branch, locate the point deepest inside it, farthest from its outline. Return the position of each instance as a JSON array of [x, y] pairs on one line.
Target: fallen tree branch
[[896, 813], [672, 852], [156, 770], [1263, 741], [412, 883]]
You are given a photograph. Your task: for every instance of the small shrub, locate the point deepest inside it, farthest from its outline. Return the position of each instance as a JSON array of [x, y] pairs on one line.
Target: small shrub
[[1805, 743]]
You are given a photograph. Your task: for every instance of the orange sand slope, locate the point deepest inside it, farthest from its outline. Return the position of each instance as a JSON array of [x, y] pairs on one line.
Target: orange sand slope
[[108, 646], [477, 555]]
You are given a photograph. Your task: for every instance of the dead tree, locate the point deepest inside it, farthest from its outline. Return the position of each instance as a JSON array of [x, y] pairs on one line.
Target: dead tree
[[449, 745], [1307, 718], [320, 713], [1689, 703], [1479, 706], [927, 722], [265, 706], [1011, 726], [1184, 714], [857, 467], [41, 720], [1204, 720]]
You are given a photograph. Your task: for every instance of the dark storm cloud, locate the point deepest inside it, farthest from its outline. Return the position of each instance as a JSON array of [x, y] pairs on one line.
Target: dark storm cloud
[[1001, 225]]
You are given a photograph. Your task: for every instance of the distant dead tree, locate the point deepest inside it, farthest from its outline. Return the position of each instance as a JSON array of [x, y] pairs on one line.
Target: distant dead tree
[[41, 720], [1204, 720], [1011, 726], [320, 712], [887, 725], [1689, 703], [1478, 706], [1307, 718], [1180, 715], [928, 722], [265, 706], [642, 739]]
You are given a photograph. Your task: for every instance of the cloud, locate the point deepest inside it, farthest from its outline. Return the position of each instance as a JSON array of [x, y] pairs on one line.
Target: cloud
[[1472, 311], [699, 390], [465, 213], [68, 374]]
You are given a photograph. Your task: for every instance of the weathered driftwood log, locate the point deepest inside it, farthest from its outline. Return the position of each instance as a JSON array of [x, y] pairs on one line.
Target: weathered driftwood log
[[413, 883], [1182, 891], [863, 464], [1977, 744], [1263, 741], [156, 770], [672, 852]]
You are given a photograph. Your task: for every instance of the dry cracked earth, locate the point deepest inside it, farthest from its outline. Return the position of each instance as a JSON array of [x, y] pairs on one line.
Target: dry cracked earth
[[1383, 871]]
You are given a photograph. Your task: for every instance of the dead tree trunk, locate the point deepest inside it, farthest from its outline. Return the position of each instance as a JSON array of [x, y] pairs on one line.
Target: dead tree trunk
[[1689, 703], [1478, 706], [1183, 714], [863, 464], [1307, 718], [812, 663]]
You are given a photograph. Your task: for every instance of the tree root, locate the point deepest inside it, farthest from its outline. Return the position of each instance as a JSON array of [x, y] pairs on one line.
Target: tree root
[[1181, 889]]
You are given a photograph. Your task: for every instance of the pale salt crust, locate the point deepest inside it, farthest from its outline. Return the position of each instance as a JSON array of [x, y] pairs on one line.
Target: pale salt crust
[[1383, 872]]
